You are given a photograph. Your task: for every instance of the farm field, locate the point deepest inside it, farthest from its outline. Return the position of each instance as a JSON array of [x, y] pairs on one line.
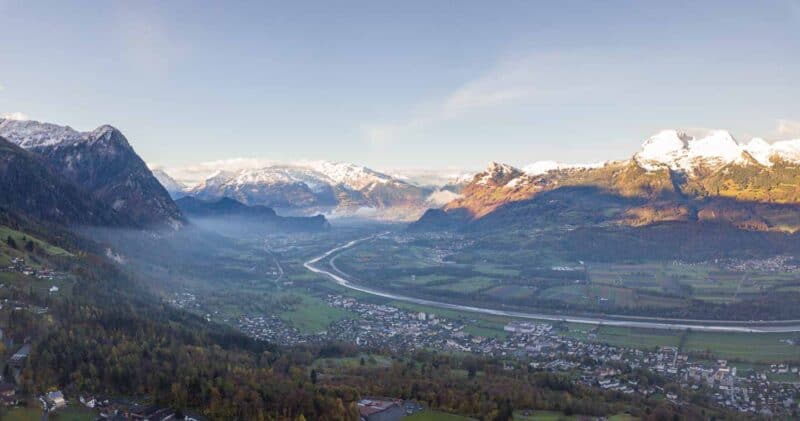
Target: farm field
[[733, 346], [740, 346], [458, 270], [312, 315]]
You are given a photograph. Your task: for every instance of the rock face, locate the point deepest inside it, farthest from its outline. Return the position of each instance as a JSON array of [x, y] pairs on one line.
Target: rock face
[[674, 177], [103, 164]]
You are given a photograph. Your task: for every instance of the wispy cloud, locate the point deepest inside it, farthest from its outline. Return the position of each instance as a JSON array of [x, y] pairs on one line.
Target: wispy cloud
[[787, 129], [145, 40], [513, 81], [195, 173], [16, 115]]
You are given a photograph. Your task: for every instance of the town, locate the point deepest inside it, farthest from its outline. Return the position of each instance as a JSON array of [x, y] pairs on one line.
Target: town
[[541, 347]]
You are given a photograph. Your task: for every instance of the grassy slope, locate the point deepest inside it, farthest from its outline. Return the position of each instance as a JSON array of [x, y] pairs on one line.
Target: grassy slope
[[21, 238]]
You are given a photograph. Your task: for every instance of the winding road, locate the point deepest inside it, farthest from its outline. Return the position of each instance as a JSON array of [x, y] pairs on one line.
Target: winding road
[[339, 277]]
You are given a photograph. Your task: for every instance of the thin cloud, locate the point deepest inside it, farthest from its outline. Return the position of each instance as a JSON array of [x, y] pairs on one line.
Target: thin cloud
[[543, 77], [16, 115], [145, 40], [195, 173], [787, 129]]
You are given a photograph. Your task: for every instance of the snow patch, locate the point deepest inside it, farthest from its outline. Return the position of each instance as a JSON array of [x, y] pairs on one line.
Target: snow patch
[[543, 167]]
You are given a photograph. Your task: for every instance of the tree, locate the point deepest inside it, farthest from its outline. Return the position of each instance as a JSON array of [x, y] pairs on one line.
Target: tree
[[313, 376], [11, 242]]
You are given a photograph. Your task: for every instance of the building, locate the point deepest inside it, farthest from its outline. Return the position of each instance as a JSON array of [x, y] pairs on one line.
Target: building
[[19, 357], [8, 394], [381, 409], [55, 400]]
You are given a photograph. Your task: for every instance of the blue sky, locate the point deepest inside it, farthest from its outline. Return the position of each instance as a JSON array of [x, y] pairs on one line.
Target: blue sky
[[428, 84]]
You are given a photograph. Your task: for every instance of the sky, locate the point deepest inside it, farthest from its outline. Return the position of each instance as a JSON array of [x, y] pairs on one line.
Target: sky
[[402, 84]]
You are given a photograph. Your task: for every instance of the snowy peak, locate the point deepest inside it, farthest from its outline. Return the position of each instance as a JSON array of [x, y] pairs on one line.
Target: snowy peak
[[717, 145], [497, 174], [680, 152], [30, 134], [353, 176], [759, 150], [667, 147]]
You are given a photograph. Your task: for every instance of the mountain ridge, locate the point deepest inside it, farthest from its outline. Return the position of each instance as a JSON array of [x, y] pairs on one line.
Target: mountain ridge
[[226, 208], [316, 186], [678, 177], [102, 163]]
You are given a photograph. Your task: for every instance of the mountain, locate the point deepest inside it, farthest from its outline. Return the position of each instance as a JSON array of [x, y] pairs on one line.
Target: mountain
[[674, 177], [230, 211], [175, 188], [102, 163], [318, 186], [30, 188]]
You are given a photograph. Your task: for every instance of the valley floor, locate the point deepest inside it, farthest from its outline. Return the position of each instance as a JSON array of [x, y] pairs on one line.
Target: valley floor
[[317, 265]]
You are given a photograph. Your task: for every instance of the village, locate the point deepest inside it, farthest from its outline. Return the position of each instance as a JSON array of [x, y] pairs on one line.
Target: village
[[541, 347], [18, 265]]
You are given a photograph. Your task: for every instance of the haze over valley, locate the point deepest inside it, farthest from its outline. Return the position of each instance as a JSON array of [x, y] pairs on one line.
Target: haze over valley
[[413, 211]]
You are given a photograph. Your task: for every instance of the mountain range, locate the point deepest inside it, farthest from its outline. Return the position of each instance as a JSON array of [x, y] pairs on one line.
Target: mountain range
[[340, 189], [56, 173], [674, 177]]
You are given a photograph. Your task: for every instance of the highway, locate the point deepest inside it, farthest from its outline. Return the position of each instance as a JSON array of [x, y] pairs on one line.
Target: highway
[[339, 277]]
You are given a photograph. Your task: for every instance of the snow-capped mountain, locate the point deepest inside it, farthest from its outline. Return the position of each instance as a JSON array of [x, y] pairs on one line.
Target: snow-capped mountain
[[353, 176], [668, 149], [673, 177], [680, 152], [102, 163], [30, 134], [497, 174], [317, 186]]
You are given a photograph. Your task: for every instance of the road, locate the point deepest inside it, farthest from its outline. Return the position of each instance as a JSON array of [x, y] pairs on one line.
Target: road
[[606, 320], [277, 262]]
